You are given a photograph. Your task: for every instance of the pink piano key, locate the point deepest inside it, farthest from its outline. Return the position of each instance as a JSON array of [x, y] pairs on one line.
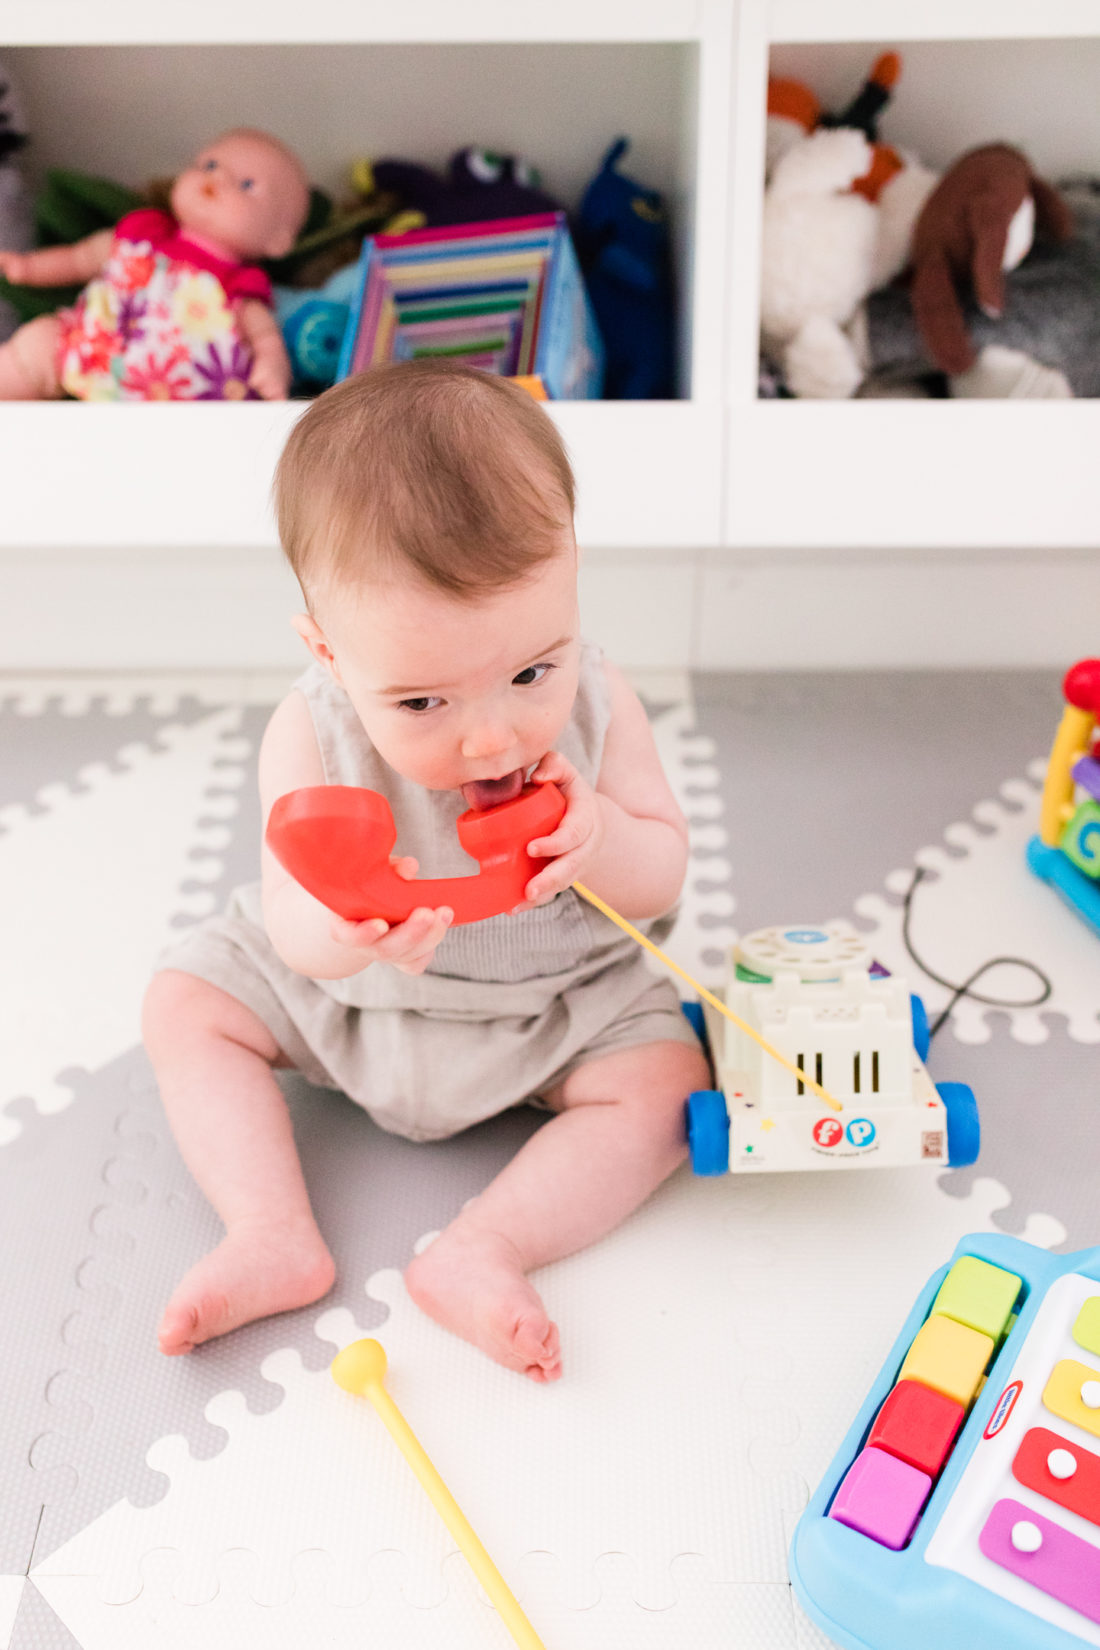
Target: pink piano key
[[881, 1497], [1060, 1563]]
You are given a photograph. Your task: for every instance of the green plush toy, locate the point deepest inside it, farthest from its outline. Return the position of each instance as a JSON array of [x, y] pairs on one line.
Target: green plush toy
[[70, 207]]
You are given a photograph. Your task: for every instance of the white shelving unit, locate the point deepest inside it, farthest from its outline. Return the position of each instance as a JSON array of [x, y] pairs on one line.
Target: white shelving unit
[[556, 82], [913, 474], [718, 529]]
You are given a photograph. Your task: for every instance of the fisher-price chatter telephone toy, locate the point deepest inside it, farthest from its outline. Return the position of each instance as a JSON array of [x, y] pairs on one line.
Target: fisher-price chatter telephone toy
[[336, 840]]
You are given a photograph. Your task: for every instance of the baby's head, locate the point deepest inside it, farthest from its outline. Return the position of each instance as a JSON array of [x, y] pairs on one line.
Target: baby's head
[[247, 192], [427, 511]]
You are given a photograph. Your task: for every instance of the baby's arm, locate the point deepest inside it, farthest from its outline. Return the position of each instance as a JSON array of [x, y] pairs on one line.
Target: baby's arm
[[309, 937], [59, 265], [627, 839], [270, 375]]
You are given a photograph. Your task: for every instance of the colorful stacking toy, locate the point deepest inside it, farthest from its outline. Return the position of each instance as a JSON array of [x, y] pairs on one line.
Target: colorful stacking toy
[[963, 1508], [1066, 851]]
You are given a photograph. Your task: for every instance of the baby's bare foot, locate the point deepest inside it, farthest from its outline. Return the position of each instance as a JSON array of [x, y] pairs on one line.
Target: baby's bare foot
[[473, 1284], [257, 1269]]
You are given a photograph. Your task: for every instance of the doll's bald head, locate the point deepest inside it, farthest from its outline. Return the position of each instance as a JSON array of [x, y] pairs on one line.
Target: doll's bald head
[[246, 192]]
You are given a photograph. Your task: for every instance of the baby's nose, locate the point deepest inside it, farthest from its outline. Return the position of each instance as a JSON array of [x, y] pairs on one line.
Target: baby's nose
[[487, 739]]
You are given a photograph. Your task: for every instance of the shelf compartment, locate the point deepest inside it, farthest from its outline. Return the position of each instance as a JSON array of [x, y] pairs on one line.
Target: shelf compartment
[[556, 89], [913, 474]]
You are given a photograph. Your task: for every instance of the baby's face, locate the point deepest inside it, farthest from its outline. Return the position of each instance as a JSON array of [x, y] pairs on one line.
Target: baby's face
[[243, 193], [456, 695]]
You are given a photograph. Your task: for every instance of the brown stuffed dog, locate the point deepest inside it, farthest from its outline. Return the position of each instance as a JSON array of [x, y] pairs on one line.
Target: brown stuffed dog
[[962, 236]]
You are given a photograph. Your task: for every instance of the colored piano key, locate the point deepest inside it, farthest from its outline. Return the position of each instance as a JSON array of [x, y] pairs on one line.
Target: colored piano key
[[1086, 1329], [978, 1295], [1073, 1394], [1061, 1470], [1045, 1555], [881, 1497], [918, 1425]]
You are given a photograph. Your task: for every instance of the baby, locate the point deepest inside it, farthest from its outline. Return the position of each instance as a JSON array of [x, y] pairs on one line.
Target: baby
[[174, 310], [427, 512]]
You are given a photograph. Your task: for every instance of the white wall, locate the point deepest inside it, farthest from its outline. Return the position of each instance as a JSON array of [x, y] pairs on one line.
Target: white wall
[[558, 105], [953, 95], [229, 610]]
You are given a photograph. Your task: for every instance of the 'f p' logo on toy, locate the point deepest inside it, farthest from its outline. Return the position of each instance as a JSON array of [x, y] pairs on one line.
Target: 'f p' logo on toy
[[828, 1132]]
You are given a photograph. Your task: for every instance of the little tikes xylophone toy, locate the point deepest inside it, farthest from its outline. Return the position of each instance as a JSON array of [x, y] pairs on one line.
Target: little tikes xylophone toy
[[962, 1510]]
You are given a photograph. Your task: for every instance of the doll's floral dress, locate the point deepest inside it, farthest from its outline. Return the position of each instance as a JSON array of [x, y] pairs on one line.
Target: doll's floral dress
[[159, 322]]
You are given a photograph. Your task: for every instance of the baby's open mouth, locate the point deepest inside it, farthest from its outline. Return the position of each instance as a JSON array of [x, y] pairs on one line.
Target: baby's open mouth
[[487, 793]]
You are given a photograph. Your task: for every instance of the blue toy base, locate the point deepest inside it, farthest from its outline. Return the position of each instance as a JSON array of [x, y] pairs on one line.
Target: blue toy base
[[1080, 893]]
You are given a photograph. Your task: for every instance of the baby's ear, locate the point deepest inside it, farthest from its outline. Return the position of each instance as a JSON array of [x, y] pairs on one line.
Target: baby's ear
[[317, 642]]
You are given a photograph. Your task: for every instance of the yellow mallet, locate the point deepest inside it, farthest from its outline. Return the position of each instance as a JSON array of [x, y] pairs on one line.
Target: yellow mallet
[[361, 1370], [708, 996]]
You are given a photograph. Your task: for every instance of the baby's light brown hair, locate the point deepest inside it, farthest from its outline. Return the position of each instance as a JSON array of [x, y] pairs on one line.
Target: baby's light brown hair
[[451, 475]]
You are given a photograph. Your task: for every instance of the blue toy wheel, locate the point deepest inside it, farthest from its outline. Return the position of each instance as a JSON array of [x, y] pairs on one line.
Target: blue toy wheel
[[708, 1131], [964, 1129], [922, 1037], [693, 1014]]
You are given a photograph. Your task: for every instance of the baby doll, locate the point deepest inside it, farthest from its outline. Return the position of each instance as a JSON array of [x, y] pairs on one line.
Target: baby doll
[[176, 308]]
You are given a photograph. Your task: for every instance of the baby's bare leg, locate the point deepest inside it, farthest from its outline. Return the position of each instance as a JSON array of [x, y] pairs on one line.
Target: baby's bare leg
[[28, 361], [213, 1059], [620, 1133]]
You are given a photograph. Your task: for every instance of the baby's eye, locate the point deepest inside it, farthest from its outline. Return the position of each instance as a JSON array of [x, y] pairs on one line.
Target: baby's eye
[[247, 184], [533, 674], [210, 165], [419, 706]]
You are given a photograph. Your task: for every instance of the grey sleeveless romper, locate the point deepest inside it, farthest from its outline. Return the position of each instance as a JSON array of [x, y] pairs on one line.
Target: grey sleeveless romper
[[507, 1007]]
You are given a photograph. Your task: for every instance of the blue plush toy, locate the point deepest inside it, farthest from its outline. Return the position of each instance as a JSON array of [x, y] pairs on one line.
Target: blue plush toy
[[313, 324], [622, 240]]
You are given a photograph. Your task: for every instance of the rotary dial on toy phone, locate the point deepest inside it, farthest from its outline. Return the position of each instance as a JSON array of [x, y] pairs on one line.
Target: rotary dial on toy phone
[[819, 952]]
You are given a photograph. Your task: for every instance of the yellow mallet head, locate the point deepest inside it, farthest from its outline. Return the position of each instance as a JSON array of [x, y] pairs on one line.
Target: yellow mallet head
[[359, 1366]]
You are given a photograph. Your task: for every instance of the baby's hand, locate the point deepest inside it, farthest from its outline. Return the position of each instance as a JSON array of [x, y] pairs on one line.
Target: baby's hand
[[409, 945], [577, 839]]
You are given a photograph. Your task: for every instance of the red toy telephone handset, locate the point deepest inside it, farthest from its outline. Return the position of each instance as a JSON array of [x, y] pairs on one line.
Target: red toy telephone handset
[[336, 840]]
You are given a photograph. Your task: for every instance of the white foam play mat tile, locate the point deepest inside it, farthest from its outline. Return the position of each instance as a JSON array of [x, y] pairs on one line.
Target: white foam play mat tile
[[90, 881], [714, 1348], [979, 901]]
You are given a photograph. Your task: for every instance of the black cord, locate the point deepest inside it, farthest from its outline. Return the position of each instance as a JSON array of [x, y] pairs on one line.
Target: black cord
[[965, 990]]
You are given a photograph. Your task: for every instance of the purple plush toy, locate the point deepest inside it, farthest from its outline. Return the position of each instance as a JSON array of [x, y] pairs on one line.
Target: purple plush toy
[[479, 185]]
